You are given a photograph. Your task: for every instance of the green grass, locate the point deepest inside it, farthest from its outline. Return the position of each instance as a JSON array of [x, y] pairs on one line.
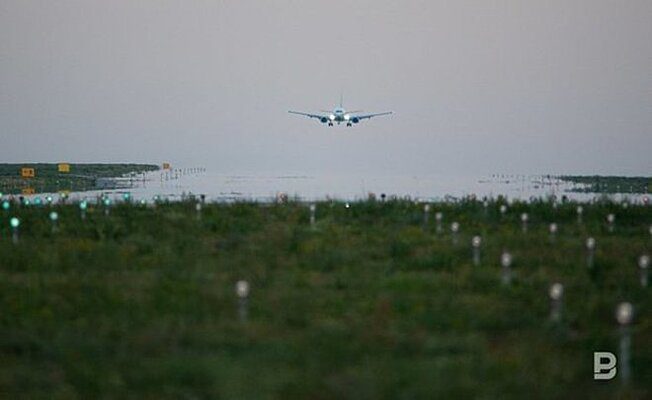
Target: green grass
[[369, 303]]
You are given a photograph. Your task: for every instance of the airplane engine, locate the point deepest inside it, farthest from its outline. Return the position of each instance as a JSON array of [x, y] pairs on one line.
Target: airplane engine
[[323, 120], [355, 120]]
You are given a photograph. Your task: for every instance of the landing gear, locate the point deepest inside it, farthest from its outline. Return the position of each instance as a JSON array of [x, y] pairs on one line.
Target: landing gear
[[330, 124], [348, 124]]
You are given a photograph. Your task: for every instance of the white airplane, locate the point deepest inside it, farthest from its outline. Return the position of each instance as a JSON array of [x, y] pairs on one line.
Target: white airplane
[[339, 115]]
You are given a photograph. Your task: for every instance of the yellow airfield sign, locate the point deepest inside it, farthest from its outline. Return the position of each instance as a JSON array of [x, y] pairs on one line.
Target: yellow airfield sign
[[64, 168], [27, 172]]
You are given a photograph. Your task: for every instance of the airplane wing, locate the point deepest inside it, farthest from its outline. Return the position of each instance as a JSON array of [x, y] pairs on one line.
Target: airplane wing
[[361, 117], [320, 117]]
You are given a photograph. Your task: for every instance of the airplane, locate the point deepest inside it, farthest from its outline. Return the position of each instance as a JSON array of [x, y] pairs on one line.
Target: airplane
[[339, 115]]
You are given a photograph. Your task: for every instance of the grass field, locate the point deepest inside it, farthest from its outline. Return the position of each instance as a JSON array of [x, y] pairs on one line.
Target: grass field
[[370, 301]]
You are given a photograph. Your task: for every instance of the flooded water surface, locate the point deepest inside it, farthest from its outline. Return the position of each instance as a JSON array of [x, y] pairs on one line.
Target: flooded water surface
[[177, 184]]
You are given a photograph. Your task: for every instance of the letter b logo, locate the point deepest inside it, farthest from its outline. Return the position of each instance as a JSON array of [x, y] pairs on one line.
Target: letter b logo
[[604, 365]]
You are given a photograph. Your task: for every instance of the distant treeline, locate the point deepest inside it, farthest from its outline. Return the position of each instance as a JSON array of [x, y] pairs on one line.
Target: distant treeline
[[610, 184], [48, 178]]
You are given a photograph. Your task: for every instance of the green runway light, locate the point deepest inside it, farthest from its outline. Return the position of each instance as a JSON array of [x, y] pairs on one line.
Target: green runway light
[[5, 205], [38, 201], [14, 222], [54, 216], [49, 199], [83, 205], [107, 202]]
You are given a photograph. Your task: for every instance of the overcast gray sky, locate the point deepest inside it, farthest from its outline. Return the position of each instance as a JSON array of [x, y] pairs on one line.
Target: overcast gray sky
[[548, 86]]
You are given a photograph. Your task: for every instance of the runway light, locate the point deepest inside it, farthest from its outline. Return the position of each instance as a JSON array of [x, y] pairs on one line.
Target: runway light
[[556, 291], [524, 217], [624, 313], [611, 218], [506, 260], [644, 261], [6, 205], [455, 227], [54, 216], [242, 289], [503, 209], [553, 228], [476, 242], [14, 222], [590, 244]]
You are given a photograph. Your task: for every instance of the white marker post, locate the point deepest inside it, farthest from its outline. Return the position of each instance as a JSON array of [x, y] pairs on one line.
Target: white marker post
[[556, 294], [455, 228], [503, 210], [313, 209], [54, 218], [524, 220], [580, 211], [476, 242], [198, 211], [553, 228], [506, 263], [82, 209], [15, 224], [590, 248], [610, 222], [624, 316], [242, 291], [107, 206], [438, 218], [644, 264]]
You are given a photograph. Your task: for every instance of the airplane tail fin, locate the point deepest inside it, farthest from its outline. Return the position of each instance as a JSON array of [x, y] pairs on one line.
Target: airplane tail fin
[[341, 100]]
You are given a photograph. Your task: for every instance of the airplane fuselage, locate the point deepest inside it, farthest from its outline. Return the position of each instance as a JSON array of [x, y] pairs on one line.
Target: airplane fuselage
[[339, 115]]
